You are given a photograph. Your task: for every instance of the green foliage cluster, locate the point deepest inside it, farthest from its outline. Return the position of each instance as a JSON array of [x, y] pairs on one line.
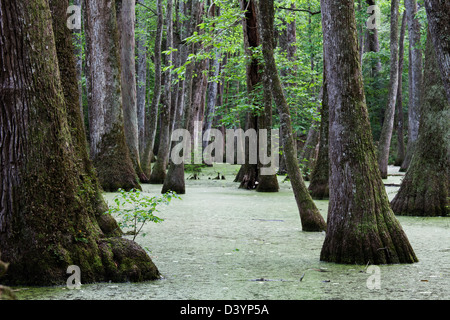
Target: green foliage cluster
[[135, 209]]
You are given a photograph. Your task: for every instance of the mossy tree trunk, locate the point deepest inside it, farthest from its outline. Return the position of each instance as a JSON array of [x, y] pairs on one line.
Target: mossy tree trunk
[[318, 187], [109, 151], [50, 205], [389, 115], [361, 226], [310, 216], [425, 189]]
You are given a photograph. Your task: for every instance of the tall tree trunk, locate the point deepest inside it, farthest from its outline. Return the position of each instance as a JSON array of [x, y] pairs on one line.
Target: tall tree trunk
[[109, 151], [438, 14], [359, 211], [318, 187], [162, 159], [388, 124], [151, 124], [174, 180], [267, 182], [425, 189], [48, 217], [141, 84], [415, 79], [309, 214], [126, 18], [248, 174], [399, 108]]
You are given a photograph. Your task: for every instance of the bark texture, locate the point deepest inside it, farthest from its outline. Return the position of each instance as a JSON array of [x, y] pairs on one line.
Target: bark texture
[[109, 151], [49, 211], [425, 189], [126, 18], [361, 226], [438, 14], [311, 219]]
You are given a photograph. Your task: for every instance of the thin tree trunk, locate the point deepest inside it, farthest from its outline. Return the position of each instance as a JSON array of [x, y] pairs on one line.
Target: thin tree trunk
[[287, 41], [359, 211], [162, 159], [267, 182], [415, 80], [425, 189], [388, 124], [318, 187], [152, 118], [438, 14], [310, 216], [48, 217], [174, 180], [109, 151], [400, 135], [141, 84]]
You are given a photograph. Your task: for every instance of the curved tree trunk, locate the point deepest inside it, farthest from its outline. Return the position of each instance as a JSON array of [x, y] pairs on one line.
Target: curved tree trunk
[[49, 209], [318, 187], [415, 80], [109, 151], [389, 115], [310, 216], [359, 211], [425, 189]]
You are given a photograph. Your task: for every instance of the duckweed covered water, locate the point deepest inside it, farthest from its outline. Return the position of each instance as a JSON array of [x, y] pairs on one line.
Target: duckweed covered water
[[220, 242]]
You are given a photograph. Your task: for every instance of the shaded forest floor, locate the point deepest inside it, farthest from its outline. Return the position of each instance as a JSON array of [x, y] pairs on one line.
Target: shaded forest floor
[[220, 242]]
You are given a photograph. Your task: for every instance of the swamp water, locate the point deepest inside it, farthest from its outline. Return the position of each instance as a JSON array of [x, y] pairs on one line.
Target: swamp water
[[220, 242]]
